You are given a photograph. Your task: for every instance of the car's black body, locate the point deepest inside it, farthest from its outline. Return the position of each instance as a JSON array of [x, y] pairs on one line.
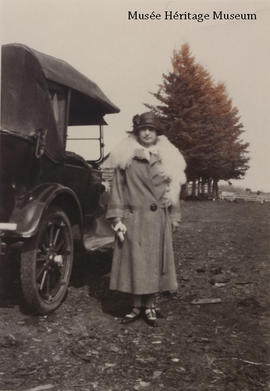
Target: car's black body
[[42, 183]]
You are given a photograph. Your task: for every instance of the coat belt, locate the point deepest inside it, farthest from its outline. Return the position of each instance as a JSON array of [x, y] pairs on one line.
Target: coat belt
[[152, 207], [164, 241]]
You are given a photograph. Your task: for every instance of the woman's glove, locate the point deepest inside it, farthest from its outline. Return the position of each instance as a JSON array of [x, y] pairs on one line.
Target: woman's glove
[[120, 229]]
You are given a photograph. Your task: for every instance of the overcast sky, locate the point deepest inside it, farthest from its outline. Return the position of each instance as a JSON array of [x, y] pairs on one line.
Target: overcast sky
[[126, 58]]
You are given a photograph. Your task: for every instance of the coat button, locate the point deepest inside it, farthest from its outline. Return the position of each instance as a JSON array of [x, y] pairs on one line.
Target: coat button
[[153, 207]]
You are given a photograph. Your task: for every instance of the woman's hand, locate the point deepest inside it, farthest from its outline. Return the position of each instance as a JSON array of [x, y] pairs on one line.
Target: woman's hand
[[120, 229], [175, 225]]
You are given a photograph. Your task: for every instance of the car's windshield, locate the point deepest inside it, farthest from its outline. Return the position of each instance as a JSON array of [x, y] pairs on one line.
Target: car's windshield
[[85, 141]]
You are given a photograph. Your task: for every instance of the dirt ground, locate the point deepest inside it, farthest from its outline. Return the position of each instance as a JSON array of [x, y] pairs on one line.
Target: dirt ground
[[222, 252]]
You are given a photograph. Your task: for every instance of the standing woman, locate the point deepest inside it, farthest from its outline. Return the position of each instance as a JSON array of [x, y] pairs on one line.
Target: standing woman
[[144, 209]]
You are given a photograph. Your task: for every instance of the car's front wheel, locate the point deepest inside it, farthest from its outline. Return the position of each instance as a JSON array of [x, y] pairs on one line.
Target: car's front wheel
[[46, 262]]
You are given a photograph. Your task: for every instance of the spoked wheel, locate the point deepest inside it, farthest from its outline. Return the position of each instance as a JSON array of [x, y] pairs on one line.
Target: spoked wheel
[[46, 262]]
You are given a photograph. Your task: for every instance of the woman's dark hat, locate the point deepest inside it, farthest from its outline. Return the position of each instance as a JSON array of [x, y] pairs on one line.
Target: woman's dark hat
[[145, 120]]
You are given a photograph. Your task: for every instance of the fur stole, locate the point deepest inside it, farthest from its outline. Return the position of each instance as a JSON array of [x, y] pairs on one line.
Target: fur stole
[[172, 161]]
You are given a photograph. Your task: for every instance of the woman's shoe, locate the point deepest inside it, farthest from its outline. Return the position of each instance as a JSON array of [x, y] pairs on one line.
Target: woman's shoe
[[150, 316], [131, 316]]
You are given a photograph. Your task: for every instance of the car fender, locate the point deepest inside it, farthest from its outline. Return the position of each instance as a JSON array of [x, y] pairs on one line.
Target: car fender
[[30, 207]]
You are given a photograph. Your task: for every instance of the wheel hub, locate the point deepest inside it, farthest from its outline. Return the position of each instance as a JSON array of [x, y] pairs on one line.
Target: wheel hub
[[52, 258], [58, 259]]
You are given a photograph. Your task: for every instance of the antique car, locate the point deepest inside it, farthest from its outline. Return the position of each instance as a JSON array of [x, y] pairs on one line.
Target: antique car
[[51, 197]]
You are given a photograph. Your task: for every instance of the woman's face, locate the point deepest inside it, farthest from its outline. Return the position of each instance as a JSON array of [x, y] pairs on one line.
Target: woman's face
[[147, 136]]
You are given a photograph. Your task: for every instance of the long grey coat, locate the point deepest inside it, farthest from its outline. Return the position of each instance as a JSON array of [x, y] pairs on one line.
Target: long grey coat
[[144, 262]]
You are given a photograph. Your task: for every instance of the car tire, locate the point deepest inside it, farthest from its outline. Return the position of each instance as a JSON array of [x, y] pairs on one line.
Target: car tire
[[46, 262]]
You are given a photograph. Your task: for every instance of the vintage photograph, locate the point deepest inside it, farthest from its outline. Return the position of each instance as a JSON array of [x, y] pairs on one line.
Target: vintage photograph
[[134, 195]]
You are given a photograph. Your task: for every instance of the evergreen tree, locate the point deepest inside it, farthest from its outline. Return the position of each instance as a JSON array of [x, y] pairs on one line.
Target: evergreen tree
[[198, 117]]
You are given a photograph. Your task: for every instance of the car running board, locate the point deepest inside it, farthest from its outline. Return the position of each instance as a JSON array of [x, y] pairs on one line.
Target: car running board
[[99, 236], [93, 243]]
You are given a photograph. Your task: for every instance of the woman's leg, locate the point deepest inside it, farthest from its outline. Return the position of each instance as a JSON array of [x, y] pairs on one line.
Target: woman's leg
[[137, 301], [136, 310], [149, 301], [150, 311]]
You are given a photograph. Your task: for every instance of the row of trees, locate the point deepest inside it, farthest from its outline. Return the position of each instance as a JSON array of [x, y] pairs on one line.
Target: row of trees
[[199, 118]]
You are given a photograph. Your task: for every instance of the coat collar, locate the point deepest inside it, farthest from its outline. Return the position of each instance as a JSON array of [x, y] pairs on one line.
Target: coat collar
[[143, 153], [172, 161]]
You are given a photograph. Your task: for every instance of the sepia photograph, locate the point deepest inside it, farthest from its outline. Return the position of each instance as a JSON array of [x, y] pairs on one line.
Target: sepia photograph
[[134, 195]]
